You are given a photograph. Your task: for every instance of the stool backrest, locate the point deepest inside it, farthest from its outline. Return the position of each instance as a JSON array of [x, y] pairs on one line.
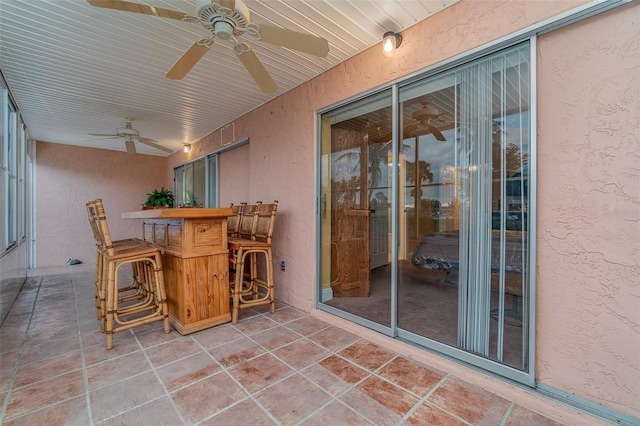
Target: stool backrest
[[93, 221], [265, 221], [103, 228], [233, 221], [248, 220]]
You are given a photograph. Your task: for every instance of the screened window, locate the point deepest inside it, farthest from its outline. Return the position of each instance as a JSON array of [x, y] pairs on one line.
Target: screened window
[[195, 183]]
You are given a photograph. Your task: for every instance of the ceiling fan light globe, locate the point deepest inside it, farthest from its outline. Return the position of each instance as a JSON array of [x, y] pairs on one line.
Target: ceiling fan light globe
[[223, 30]]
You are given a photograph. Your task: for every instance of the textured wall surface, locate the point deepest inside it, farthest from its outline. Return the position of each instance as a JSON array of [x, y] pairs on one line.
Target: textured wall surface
[[69, 176], [588, 287], [282, 132]]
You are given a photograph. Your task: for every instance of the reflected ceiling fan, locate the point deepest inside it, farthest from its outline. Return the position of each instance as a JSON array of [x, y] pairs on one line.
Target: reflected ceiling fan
[[422, 122], [131, 135], [227, 19]]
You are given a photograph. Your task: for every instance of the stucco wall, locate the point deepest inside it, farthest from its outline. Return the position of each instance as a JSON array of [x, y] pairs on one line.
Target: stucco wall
[[282, 132], [69, 176], [588, 287]]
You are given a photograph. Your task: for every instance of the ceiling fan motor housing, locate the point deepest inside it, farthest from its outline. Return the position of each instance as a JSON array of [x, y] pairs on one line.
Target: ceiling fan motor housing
[[127, 131], [220, 20]]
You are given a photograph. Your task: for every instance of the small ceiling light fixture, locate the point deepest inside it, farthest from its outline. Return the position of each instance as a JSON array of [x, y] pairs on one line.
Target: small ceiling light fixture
[[186, 148], [390, 42]]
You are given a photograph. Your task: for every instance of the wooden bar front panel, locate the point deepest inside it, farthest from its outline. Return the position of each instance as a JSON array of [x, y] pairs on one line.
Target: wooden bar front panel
[[196, 267]]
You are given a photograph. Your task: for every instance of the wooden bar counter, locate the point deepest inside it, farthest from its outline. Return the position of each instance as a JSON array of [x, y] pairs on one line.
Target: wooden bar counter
[[195, 263]]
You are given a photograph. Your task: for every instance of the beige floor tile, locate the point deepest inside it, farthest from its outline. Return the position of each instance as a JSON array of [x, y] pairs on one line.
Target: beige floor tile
[[292, 399], [307, 325], [370, 408], [72, 412], [468, 402], [187, 371], [260, 372], [159, 412], [275, 337], [171, 351], [521, 416], [43, 393], [429, 415], [60, 364], [36, 351], [216, 336], [286, 314], [115, 370], [202, 399], [367, 354], [246, 413], [124, 395], [410, 375], [388, 394], [335, 374], [301, 353], [255, 324], [236, 352], [336, 413]]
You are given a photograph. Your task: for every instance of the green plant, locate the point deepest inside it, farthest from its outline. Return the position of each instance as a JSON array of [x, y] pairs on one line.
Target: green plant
[[160, 198]]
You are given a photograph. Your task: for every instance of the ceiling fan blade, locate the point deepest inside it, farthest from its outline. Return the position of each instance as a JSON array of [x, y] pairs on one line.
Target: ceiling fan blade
[[189, 59], [436, 133], [127, 6], [301, 42], [131, 148], [154, 144], [104, 135], [230, 4], [259, 73]]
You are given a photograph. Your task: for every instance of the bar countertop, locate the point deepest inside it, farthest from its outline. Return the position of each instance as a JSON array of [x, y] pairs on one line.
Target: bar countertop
[[179, 213]]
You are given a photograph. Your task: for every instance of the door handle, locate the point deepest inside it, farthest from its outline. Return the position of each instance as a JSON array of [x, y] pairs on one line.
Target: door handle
[[324, 205]]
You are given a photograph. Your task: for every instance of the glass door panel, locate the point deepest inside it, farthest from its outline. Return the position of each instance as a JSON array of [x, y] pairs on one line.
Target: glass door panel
[[356, 151], [462, 277]]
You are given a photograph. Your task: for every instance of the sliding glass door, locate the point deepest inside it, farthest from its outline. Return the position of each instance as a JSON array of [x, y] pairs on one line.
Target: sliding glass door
[[464, 188], [459, 280], [356, 209]]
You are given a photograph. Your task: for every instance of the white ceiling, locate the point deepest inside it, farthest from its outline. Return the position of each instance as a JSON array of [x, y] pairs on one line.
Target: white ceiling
[[75, 69]]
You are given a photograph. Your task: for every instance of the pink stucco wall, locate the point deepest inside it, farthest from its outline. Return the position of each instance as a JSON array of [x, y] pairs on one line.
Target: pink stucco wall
[[69, 176], [282, 132], [588, 341], [588, 287]]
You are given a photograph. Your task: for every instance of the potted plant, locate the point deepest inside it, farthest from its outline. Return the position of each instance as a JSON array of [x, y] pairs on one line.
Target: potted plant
[[159, 199]]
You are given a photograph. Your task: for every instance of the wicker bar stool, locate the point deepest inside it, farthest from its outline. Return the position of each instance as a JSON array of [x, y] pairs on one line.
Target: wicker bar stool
[[252, 288], [125, 293], [119, 313], [233, 222]]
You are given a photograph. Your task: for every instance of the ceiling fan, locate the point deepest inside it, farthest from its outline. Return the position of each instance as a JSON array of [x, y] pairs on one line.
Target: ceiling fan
[[130, 135], [422, 120], [227, 19]]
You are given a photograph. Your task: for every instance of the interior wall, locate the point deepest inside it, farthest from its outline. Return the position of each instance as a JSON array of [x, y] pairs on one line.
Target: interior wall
[[68, 176], [588, 287]]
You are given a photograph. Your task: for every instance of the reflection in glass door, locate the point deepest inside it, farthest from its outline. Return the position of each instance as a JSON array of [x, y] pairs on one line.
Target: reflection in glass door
[[459, 283], [462, 268], [356, 209]]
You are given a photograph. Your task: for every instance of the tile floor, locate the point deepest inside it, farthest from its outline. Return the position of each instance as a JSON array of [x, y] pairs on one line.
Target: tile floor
[[284, 368]]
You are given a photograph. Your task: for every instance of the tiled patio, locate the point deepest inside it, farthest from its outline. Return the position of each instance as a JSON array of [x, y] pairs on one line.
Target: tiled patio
[[283, 368]]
